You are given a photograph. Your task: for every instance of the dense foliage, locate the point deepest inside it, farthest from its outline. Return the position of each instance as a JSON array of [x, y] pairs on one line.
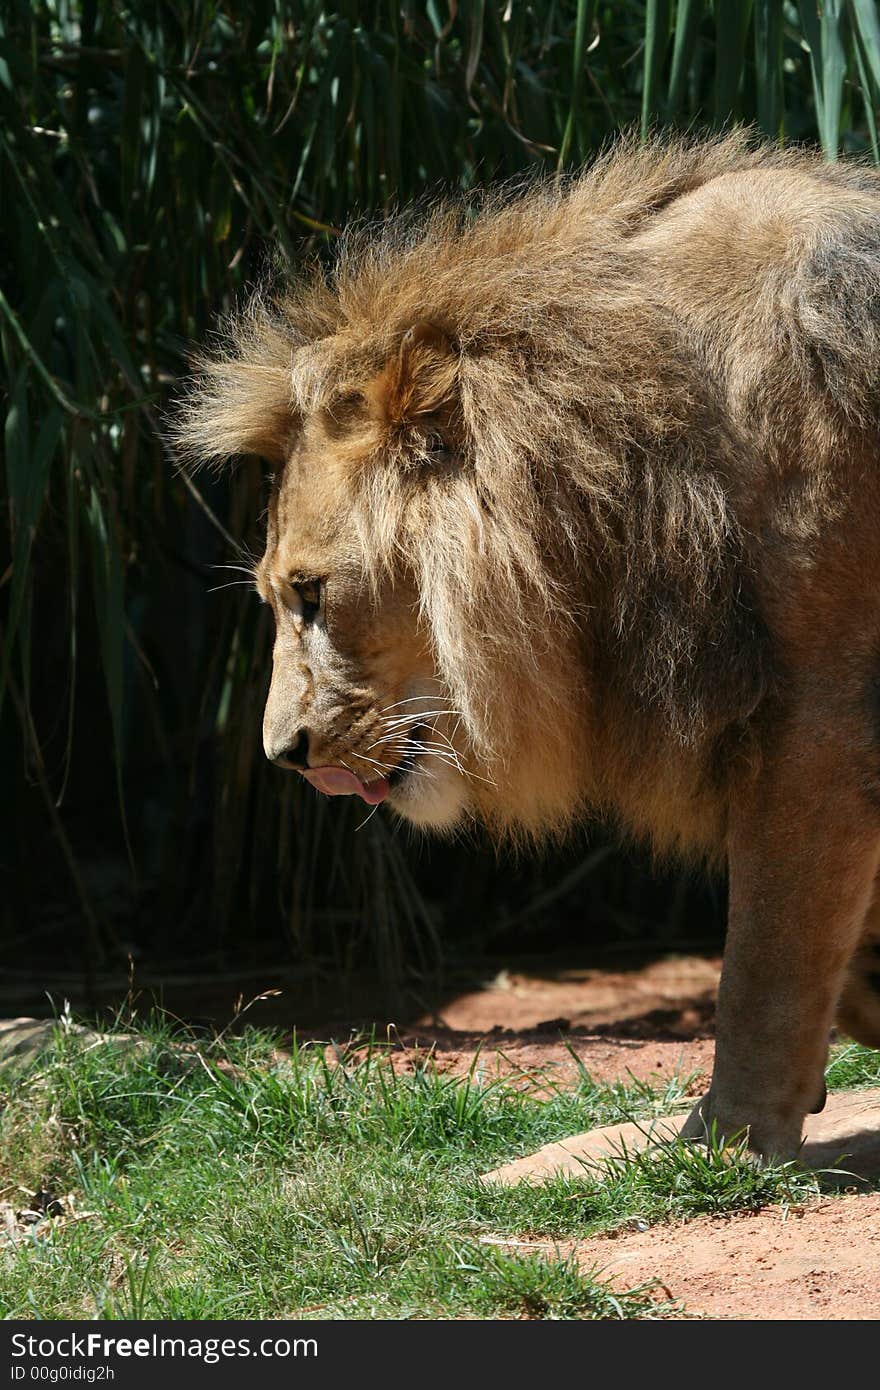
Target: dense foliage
[[153, 157]]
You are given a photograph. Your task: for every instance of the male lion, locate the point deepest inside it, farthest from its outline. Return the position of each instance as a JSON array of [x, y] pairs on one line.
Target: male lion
[[576, 508]]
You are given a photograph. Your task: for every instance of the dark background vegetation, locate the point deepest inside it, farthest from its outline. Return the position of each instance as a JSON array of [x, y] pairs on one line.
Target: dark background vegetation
[[154, 157]]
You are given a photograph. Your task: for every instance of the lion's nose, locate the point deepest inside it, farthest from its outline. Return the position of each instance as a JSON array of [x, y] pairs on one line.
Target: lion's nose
[[297, 754]]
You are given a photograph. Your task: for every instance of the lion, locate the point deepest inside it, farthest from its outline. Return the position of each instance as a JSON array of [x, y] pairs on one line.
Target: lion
[[575, 511]]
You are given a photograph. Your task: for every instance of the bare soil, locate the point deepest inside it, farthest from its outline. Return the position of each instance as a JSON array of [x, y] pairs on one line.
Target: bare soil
[[821, 1261], [642, 1022]]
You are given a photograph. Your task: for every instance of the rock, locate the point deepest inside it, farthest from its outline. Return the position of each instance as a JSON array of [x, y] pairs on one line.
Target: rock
[[24, 1040], [846, 1135]]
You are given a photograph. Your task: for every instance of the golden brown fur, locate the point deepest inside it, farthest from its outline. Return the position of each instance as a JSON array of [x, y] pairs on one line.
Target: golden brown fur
[[641, 564]]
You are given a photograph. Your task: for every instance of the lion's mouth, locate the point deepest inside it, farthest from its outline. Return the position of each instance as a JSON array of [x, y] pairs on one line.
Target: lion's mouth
[[410, 757], [341, 781]]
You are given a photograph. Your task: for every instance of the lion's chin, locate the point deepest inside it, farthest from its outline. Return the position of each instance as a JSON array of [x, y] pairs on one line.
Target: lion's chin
[[434, 798]]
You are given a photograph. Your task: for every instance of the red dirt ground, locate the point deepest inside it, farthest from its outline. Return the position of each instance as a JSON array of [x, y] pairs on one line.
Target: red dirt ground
[[821, 1261], [648, 1022], [815, 1262]]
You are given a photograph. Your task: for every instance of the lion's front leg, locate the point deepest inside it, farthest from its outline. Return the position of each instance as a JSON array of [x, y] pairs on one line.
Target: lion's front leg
[[858, 1012], [803, 846]]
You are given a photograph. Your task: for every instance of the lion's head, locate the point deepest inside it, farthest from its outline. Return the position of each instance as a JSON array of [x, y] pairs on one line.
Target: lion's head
[[358, 701], [422, 644], [495, 518]]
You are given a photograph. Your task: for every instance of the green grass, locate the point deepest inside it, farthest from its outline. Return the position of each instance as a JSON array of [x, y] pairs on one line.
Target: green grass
[[852, 1067], [224, 1180]]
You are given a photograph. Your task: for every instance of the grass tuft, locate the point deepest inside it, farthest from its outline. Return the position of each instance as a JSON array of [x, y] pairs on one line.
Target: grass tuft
[[853, 1067]]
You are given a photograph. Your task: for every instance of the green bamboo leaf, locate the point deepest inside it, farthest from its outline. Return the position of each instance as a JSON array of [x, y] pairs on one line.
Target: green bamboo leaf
[[91, 304], [28, 496], [369, 130], [72, 542], [27, 470], [388, 85], [12, 319], [27, 474], [132, 119], [731, 27], [656, 38], [585, 11], [41, 192], [322, 100], [768, 65], [475, 43], [833, 74], [109, 592], [107, 581], [813, 39], [867, 25], [687, 23], [220, 203], [5, 75], [867, 99]]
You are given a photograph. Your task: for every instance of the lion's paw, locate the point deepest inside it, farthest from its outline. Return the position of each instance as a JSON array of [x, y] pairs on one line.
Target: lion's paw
[[769, 1141]]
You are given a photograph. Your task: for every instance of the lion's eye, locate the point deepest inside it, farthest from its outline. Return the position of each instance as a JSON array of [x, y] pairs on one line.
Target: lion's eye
[[310, 592], [435, 446]]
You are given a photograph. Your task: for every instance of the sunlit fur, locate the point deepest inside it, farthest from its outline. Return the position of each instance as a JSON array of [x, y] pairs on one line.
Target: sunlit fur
[[651, 366]]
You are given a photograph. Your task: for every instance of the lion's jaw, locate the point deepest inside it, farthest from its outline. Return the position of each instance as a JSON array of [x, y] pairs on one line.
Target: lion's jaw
[[431, 795]]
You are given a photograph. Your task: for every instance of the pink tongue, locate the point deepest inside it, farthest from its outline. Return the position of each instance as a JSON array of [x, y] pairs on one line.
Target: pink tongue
[[338, 781]]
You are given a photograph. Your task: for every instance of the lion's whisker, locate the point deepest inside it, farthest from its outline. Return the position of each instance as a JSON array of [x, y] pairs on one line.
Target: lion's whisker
[[411, 699], [243, 569], [417, 748], [401, 721], [362, 757], [450, 757], [405, 748], [446, 740], [369, 816], [382, 766], [415, 715]]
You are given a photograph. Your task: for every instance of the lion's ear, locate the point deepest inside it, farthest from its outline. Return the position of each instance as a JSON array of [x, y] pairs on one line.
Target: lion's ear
[[235, 407], [422, 378]]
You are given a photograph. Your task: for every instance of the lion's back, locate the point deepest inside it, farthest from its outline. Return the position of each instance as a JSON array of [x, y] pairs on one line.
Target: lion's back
[[773, 275]]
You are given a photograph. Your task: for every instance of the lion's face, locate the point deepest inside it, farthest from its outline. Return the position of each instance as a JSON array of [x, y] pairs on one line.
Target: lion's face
[[355, 704], [425, 650]]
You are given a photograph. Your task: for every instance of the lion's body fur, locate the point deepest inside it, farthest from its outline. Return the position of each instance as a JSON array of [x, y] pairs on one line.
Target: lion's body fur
[[599, 463]]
